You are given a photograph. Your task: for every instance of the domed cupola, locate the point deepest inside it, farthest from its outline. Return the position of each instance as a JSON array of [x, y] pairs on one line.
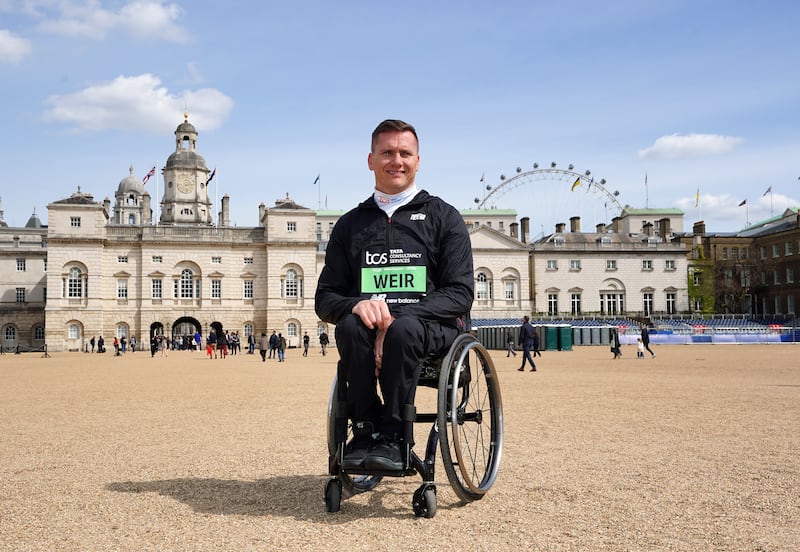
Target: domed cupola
[[131, 202], [186, 199]]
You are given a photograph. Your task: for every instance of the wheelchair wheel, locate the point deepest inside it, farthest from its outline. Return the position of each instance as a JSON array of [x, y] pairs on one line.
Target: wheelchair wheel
[[352, 484], [470, 418]]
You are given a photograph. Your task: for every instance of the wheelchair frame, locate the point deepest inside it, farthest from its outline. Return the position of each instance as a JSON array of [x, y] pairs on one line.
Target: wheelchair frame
[[469, 435]]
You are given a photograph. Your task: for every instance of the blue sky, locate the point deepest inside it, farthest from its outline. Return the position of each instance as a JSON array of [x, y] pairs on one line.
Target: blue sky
[[697, 95]]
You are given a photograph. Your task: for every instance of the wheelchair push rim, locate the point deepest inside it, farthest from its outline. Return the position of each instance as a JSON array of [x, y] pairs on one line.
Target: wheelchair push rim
[[470, 419]]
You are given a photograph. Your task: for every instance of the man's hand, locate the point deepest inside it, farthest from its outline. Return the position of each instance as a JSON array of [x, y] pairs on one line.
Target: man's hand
[[375, 314]]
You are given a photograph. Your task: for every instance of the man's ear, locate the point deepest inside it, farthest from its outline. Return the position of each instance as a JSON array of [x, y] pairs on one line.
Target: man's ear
[[369, 161]]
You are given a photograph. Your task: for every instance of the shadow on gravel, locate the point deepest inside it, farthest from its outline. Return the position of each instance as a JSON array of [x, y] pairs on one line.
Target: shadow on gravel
[[299, 497]]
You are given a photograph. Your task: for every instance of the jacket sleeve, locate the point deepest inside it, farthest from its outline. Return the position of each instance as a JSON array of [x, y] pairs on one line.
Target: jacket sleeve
[[452, 276], [336, 293]]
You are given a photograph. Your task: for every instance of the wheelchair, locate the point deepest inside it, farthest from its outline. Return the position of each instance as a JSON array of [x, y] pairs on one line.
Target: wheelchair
[[467, 427]]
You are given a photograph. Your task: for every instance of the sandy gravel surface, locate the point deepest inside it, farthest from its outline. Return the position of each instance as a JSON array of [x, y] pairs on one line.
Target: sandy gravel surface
[[697, 449]]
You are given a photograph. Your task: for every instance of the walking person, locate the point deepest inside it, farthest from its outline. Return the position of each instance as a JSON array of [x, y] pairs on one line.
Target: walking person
[[536, 346], [306, 341], [273, 344], [91, 342], [133, 343], [646, 341], [615, 343], [510, 345], [263, 346], [251, 343], [323, 343], [526, 333], [281, 348]]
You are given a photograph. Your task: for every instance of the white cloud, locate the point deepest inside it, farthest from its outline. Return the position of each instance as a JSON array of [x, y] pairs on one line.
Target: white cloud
[[137, 103], [12, 47], [140, 19], [677, 146]]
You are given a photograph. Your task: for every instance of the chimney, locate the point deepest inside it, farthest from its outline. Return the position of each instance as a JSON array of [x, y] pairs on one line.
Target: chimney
[[699, 228], [647, 228], [147, 212], [601, 228], [615, 224], [524, 228], [514, 229], [575, 224], [225, 214], [560, 228], [664, 229]]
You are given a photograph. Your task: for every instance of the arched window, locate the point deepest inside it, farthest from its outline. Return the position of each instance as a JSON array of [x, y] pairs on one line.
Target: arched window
[[10, 333], [187, 284], [131, 219], [292, 284], [291, 329], [73, 331], [483, 287], [248, 329], [75, 282]]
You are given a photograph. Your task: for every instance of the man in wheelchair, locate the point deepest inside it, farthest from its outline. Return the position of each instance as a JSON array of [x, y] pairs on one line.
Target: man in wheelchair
[[397, 276]]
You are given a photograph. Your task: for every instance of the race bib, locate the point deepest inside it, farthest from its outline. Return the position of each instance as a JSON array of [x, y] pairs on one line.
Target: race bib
[[394, 279]]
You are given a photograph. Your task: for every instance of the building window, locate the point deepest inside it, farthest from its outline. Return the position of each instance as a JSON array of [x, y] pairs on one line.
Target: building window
[[647, 264], [789, 275], [38, 333], [776, 277], [45, 265], [75, 282], [669, 264], [788, 248], [291, 329], [552, 264], [216, 289], [724, 252], [20, 265], [575, 265], [158, 259], [157, 288], [216, 260], [122, 259], [20, 295], [611, 264], [509, 290], [248, 330], [483, 288], [671, 303], [248, 260], [552, 304], [763, 252], [775, 250], [696, 277], [292, 285], [575, 303], [735, 252], [75, 222], [73, 331], [248, 289], [186, 285], [612, 303], [647, 304], [500, 227], [122, 289], [10, 333], [291, 227]]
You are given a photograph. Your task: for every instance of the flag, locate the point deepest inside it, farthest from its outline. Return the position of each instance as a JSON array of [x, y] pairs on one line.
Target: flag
[[148, 175], [575, 184], [697, 197], [210, 178], [769, 191], [316, 179], [744, 202]]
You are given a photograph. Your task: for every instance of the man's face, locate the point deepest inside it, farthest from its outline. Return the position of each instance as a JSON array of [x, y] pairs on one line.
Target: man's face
[[394, 160]]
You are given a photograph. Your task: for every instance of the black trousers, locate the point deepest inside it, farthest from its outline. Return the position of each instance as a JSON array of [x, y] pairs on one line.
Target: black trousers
[[408, 341]]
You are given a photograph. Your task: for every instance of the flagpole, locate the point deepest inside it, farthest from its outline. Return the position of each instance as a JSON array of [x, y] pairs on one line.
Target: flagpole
[[157, 209]]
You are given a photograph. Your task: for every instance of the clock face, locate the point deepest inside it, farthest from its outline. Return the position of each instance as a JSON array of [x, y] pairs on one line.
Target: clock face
[[186, 185]]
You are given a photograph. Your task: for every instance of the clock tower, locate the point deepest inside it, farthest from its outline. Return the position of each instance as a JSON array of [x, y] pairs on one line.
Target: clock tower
[[186, 200]]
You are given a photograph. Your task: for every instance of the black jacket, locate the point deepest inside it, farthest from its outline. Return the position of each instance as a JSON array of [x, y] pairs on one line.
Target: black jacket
[[419, 261]]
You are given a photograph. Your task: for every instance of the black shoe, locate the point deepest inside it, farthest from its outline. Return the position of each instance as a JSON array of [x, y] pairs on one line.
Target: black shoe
[[384, 455], [356, 451], [521, 369]]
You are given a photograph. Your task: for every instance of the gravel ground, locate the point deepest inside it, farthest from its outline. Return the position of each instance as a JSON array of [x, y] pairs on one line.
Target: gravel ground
[[696, 449]]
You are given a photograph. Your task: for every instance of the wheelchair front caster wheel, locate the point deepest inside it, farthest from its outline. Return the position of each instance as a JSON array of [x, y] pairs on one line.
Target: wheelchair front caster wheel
[[424, 502], [333, 495]]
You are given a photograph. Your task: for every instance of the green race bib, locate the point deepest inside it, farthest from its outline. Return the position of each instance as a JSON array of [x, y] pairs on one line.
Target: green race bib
[[393, 279]]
